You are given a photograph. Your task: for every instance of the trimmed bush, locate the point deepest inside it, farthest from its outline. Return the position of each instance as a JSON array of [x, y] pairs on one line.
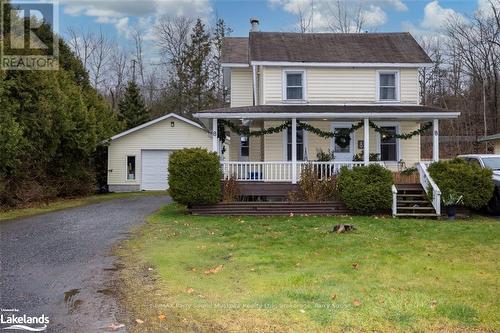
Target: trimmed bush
[[459, 177], [365, 188], [194, 176]]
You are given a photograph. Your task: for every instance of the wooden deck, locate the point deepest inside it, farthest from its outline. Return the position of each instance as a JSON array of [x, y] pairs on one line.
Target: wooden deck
[[272, 208]]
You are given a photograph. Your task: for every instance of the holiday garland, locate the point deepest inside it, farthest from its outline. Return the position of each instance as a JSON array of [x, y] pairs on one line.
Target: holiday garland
[[342, 135]]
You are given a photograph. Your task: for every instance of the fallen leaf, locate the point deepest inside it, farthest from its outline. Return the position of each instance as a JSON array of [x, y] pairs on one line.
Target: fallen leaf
[[189, 290], [355, 265], [139, 321], [334, 297], [115, 327], [162, 317], [433, 304], [356, 303], [214, 270]]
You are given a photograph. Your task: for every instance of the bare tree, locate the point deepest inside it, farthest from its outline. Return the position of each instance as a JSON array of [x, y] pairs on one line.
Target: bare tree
[[173, 35], [138, 43], [99, 60], [118, 75], [82, 43], [346, 16]]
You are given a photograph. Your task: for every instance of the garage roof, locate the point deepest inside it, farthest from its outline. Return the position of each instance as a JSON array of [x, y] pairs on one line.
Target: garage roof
[[154, 121]]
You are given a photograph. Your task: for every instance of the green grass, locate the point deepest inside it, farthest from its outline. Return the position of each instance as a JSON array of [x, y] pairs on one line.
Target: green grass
[[59, 204], [291, 274]]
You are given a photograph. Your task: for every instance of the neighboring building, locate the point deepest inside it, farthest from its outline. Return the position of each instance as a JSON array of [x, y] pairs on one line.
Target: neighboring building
[[495, 139], [138, 158], [327, 80]]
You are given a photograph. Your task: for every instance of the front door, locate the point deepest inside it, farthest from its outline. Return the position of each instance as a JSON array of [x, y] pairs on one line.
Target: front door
[[343, 154]]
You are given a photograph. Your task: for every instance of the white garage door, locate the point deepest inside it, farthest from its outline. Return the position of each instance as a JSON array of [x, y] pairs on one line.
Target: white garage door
[[154, 170]]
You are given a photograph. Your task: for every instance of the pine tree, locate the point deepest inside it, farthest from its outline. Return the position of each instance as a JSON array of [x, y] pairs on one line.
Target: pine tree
[[220, 32], [132, 108], [197, 59]]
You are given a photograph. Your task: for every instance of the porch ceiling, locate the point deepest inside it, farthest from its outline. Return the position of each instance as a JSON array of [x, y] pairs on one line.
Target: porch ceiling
[[385, 112]]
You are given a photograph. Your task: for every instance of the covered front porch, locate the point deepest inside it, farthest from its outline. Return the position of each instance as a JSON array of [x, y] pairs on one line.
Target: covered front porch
[[291, 137]]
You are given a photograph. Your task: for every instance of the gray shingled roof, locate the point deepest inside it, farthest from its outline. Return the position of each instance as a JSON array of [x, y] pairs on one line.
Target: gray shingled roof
[[328, 109], [325, 47], [235, 50]]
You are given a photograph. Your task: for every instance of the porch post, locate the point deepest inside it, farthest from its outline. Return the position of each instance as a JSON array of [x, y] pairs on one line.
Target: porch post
[[215, 137], [435, 140], [294, 150], [366, 144]]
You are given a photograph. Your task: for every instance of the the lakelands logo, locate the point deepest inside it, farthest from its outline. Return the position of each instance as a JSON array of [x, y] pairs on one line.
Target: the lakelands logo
[[10, 319]]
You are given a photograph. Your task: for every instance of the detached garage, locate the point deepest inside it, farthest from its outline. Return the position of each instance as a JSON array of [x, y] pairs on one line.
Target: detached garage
[[138, 157]]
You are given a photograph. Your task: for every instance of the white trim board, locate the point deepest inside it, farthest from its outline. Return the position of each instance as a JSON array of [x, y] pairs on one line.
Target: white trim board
[[321, 115], [154, 121], [234, 64], [342, 64]]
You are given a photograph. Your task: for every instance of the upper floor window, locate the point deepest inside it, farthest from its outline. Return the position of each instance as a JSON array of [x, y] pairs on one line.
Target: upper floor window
[[294, 85], [388, 82]]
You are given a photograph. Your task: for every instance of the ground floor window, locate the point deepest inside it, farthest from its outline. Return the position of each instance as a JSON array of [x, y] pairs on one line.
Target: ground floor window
[[388, 145], [300, 144], [244, 146], [130, 167]]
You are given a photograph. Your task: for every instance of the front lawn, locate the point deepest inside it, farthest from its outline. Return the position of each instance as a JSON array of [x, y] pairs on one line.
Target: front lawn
[[290, 274]]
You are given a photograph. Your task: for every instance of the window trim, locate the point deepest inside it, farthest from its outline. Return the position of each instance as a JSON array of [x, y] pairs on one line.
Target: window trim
[[397, 84], [241, 157], [284, 85], [304, 146], [398, 141], [135, 168]]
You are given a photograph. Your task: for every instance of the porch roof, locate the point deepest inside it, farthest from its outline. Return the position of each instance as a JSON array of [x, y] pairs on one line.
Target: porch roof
[[417, 112]]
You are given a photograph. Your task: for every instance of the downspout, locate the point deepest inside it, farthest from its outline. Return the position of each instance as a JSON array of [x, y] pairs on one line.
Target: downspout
[[254, 79]]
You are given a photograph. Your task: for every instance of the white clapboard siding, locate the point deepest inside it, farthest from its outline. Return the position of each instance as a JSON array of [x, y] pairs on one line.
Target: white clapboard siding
[[159, 136]]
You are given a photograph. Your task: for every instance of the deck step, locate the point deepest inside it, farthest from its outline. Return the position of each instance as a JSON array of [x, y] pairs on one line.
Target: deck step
[[415, 208], [417, 215]]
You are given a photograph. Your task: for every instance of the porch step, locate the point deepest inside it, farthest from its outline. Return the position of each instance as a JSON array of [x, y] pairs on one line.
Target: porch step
[[412, 201], [417, 215]]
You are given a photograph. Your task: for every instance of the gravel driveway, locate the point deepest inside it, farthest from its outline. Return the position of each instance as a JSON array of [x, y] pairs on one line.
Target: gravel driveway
[[60, 264]]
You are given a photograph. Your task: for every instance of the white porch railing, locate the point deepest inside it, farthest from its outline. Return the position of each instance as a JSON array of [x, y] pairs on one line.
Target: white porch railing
[[280, 171], [429, 185]]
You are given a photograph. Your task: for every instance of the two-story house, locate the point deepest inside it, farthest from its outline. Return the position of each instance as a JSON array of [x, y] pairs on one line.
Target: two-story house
[[329, 81]]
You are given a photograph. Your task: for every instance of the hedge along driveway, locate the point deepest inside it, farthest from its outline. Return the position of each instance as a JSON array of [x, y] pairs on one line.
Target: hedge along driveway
[[291, 274]]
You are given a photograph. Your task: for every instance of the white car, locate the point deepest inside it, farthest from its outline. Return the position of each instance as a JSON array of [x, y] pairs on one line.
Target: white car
[[493, 162]]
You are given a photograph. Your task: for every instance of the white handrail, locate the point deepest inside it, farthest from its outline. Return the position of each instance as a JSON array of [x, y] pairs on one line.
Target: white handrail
[[427, 183], [394, 200]]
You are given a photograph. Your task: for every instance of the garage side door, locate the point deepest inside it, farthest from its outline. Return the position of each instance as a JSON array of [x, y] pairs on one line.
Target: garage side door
[[154, 170]]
